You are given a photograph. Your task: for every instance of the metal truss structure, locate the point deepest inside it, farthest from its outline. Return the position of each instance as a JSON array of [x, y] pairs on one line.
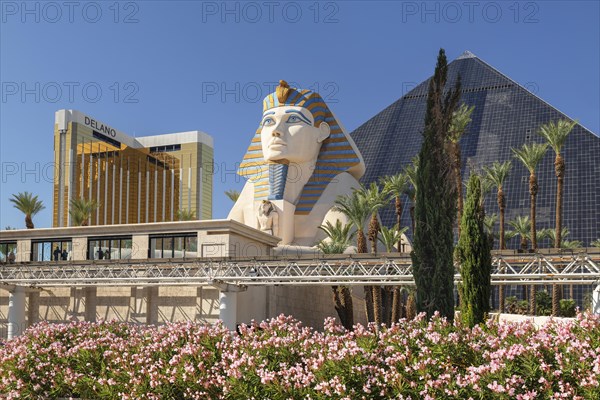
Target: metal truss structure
[[391, 269]]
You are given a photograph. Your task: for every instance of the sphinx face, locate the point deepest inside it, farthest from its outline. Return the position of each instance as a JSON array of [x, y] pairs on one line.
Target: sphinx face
[[288, 133]]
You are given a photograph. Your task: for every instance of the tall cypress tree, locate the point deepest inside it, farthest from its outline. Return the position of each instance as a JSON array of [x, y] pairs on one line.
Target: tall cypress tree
[[473, 253], [435, 208]]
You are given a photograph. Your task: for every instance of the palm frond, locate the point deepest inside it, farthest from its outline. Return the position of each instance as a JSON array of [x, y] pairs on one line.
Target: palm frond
[[497, 172], [391, 236], [531, 155], [461, 117], [556, 133]]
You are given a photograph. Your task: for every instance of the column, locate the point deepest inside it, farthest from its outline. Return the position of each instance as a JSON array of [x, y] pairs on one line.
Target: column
[[91, 301], [16, 312], [152, 305], [228, 309], [33, 308]]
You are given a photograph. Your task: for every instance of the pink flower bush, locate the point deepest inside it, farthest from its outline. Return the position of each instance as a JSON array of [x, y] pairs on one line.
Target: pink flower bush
[[281, 359]]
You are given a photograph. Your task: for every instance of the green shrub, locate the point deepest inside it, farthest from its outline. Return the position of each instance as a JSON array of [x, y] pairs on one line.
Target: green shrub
[[567, 308], [543, 303], [515, 306]]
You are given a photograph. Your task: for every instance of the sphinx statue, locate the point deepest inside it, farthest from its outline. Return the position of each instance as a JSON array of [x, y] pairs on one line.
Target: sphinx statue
[[298, 162]]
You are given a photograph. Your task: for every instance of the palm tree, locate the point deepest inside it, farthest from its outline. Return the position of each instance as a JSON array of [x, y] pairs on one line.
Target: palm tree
[[522, 228], [488, 222], [81, 210], [486, 187], [461, 117], [29, 205], [596, 243], [556, 136], [531, 155], [571, 245], [411, 174], [377, 198], [186, 215], [396, 185], [391, 236], [357, 209], [551, 234], [233, 194], [497, 173], [340, 236]]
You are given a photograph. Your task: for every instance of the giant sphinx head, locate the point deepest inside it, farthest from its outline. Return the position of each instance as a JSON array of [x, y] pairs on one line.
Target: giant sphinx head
[[297, 127]]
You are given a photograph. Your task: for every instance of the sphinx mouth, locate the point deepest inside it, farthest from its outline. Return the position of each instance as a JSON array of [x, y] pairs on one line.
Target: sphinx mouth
[[276, 143]]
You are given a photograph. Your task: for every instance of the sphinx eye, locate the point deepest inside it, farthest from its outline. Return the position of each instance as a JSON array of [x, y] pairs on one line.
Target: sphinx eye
[[268, 121], [294, 119]]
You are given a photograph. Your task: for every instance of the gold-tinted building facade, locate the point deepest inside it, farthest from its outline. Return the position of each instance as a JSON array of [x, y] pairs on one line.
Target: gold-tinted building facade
[[133, 180]]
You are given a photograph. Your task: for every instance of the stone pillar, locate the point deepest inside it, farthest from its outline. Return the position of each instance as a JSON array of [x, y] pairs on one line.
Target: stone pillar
[[91, 301], [23, 250], [152, 305], [33, 309], [596, 300], [79, 250], [228, 309], [140, 245], [16, 312]]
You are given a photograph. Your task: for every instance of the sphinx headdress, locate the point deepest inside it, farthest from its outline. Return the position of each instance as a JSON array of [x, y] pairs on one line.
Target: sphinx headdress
[[338, 152]]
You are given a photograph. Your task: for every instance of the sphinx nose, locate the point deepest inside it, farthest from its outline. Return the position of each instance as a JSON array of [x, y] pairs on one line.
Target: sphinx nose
[[276, 133]]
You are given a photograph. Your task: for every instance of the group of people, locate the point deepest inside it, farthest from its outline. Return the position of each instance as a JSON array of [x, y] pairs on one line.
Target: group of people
[[103, 254], [60, 255]]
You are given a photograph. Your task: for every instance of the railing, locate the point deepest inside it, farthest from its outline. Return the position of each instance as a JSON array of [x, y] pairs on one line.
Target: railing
[[387, 269]]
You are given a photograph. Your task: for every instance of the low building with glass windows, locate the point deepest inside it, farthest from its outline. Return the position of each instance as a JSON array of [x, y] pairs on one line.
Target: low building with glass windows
[[132, 179], [164, 246]]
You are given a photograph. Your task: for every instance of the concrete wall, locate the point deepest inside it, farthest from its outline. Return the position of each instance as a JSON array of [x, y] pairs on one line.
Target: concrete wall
[[142, 305], [158, 305], [311, 304]]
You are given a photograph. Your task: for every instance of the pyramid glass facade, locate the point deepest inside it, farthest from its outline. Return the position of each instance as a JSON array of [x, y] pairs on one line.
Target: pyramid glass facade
[[506, 116]]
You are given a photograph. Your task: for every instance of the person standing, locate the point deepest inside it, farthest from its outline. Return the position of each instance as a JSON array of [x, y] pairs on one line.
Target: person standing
[[56, 253], [11, 257]]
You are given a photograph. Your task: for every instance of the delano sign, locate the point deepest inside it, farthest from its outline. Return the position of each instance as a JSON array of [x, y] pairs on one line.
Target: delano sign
[[100, 127]]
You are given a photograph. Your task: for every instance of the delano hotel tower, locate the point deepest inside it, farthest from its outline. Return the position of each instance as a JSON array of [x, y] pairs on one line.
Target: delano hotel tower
[[134, 180]]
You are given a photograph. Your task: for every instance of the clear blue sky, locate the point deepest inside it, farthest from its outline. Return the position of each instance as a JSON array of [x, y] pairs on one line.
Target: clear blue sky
[[171, 66]]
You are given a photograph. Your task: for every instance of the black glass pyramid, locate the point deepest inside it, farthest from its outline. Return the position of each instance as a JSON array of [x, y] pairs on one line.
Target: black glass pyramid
[[506, 116]]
